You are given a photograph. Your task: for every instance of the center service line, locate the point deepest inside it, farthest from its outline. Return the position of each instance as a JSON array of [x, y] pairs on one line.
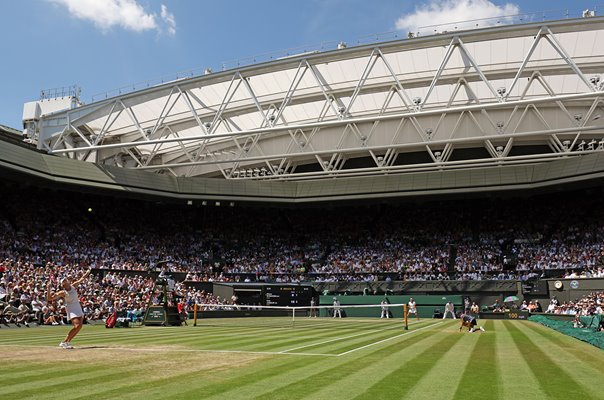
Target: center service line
[[341, 338], [387, 339]]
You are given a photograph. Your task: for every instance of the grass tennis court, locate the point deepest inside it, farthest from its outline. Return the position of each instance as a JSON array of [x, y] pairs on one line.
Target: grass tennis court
[[317, 359]]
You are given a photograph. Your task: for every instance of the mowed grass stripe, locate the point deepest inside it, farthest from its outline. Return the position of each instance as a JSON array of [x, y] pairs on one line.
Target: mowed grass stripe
[[52, 334], [259, 341], [268, 370], [409, 374], [94, 390], [442, 379], [350, 339], [519, 380], [358, 343], [81, 377], [19, 370], [269, 366], [92, 334], [154, 335], [301, 385], [38, 374], [307, 378], [184, 338], [554, 381], [293, 339], [586, 353], [482, 367], [351, 385], [148, 386], [77, 387], [566, 360]]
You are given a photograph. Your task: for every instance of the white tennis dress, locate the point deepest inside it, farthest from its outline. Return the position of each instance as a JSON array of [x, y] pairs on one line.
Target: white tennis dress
[[72, 304]]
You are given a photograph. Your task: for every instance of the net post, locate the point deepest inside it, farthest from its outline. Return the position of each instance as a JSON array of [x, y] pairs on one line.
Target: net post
[[405, 317], [293, 317], [195, 314]]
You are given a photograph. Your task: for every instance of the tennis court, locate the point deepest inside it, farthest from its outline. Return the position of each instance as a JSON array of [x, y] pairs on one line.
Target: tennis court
[[321, 358]]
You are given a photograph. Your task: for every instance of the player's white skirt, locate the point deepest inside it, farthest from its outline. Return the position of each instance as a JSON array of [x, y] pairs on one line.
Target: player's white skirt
[[74, 311]]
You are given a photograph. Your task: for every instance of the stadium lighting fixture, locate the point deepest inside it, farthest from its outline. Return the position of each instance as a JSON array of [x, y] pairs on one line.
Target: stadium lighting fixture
[[566, 144], [591, 145], [189, 202], [417, 101], [429, 132], [581, 146], [601, 145], [578, 117], [207, 71], [501, 91], [217, 204], [342, 45]]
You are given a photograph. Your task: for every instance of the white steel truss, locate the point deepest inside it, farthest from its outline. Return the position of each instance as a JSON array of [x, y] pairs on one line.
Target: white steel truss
[[423, 104]]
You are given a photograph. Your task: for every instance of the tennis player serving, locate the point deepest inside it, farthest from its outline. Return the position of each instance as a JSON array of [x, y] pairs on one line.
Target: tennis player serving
[[72, 306]]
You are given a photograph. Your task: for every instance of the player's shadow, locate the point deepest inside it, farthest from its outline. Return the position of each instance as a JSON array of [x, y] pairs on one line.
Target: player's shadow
[[92, 347]]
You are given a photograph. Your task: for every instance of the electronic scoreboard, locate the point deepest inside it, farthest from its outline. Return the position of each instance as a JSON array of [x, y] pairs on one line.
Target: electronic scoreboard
[[284, 295]]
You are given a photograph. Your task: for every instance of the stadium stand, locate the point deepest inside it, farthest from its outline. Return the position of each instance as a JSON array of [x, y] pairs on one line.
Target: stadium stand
[[23, 294], [459, 240]]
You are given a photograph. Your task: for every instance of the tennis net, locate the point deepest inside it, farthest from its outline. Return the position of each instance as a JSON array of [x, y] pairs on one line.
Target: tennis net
[[355, 316]]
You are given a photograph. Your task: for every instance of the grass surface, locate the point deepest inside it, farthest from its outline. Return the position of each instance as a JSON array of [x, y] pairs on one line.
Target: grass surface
[[268, 358]]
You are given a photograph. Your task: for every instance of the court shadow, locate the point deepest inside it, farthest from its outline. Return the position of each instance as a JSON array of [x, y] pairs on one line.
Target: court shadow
[[91, 347]]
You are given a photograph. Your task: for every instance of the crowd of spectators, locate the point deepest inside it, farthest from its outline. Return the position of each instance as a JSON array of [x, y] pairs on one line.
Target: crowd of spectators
[[591, 304], [24, 293], [498, 239]]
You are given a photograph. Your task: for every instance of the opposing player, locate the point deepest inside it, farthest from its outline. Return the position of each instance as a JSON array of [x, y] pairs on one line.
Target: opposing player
[[336, 308], [313, 308], [469, 322], [72, 306], [385, 309], [449, 309], [412, 308]]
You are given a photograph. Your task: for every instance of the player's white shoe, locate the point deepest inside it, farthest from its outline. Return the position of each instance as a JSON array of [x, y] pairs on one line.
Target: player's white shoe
[[482, 329], [65, 345]]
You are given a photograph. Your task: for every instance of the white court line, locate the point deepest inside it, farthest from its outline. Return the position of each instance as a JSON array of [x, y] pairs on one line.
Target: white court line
[[387, 339], [340, 338], [143, 350]]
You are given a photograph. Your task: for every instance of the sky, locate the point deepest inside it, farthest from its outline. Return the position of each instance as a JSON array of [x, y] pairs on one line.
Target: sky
[[101, 45]]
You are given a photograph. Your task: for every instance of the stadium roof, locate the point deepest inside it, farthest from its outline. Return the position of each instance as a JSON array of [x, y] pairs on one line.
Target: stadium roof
[[517, 94]]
